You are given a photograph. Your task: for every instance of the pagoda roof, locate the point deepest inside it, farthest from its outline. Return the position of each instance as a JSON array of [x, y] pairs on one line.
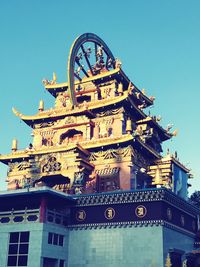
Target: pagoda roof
[[27, 153], [84, 146], [164, 134], [83, 109], [175, 161], [15, 156], [117, 74]]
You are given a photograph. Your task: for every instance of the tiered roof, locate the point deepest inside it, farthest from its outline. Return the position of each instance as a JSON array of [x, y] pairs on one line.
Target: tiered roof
[[100, 109]]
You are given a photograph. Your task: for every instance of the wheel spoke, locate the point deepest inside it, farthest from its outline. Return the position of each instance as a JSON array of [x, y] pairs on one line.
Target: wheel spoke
[[77, 76], [96, 49], [87, 60], [81, 66]]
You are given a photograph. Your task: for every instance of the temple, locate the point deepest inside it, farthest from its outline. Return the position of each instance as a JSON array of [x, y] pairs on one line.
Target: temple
[[97, 137], [97, 152]]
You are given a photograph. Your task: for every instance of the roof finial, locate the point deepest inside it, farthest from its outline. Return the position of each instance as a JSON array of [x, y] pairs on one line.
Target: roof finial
[[41, 105], [14, 145], [54, 77], [143, 91], [168, 261]]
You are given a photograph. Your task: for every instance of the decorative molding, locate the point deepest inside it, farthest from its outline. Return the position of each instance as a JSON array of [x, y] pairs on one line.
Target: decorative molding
[[134, 207], [118, 154], [121, 197], [22, 216], [110, 112], [128, 224]]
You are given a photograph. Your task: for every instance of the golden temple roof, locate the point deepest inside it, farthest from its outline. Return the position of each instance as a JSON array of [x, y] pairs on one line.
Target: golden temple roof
[[85, 146], [117, 73], [85, 108]]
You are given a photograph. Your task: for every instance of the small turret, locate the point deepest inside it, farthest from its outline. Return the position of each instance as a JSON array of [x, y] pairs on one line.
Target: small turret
[[158, 176], [41, 106], [14, 145]]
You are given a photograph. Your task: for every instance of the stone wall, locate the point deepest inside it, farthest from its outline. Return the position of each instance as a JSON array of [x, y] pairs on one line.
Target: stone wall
[[116, 247]]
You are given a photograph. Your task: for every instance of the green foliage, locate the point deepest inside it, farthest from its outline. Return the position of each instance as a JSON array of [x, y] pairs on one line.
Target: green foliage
[[195, 199]]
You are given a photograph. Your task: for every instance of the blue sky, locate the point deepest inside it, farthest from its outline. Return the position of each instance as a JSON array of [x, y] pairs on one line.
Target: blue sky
[[157, 41]]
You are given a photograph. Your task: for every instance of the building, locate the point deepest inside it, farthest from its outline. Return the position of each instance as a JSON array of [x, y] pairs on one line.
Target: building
[[93, 188]]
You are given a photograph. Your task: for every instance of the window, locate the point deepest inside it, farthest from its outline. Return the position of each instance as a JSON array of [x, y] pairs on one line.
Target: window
[[108, 179], [56, 239], [18, 249], [62, 263]]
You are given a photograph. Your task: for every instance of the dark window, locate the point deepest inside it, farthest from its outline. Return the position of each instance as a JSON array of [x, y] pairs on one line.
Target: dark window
[[18, 249], [55, 239], [12, 260], [23, 249], [24, 237], [62, 263], [22, 260], [61, 239], [14, 237], [13, 249], [50, 238]]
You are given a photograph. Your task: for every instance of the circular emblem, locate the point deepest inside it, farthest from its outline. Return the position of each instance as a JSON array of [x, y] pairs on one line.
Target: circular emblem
[[80, 215], [182, 220], [109, 213], [140, 211], [169, 214]]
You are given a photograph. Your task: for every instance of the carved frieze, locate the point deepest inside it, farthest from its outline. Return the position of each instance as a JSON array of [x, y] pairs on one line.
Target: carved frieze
[[116, 154], [50, 164], [44, 125], [18, 166], [111, 112]]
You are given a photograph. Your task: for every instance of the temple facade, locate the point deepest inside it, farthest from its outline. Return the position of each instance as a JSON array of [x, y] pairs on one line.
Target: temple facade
[[94, 188]]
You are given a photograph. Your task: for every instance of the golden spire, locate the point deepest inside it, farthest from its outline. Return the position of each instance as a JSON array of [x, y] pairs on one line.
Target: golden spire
[[54, 77], [14, 145], [41, 105], [143, 91], [168, 261], [158, 176]]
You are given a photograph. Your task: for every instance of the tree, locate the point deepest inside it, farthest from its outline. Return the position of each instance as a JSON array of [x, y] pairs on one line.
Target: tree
[[195, 199]]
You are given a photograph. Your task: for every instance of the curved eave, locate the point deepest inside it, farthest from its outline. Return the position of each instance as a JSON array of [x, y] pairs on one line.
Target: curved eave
[[104, 142], [55, 114], [179, 164], [60, 87], [83, 146], [164, 135], [127, 138], [21, 155], [140, 113], [118, 74], [150, 150], [52, 115]]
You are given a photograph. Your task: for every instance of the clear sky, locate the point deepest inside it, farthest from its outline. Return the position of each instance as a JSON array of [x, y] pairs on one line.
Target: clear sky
[[157, 41]]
